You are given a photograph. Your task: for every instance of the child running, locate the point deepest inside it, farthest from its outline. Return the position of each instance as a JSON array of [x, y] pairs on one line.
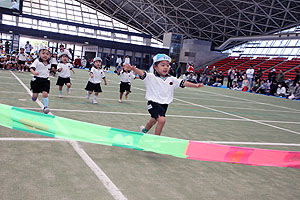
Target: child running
[[159, 91], [63, 69], [40, 83], [21, 58], [96, 74], [125, 78]]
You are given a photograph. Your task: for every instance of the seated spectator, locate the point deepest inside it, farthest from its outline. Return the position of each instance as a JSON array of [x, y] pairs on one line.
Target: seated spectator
[[256, 85], [295, 94], [213, 78], [204, 79], [77, 62], [219, 80], [273, 88], [191, 77], [235, 86], [185, 76], [281, 90], [245, 84], [263, 88]]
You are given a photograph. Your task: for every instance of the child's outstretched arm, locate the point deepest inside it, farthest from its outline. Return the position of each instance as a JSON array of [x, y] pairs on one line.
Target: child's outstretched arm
[[105, 83], [136, 70], [189, 84]]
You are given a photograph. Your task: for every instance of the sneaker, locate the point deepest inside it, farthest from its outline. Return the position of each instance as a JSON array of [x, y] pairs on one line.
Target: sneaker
[[142, 128], [46, 110], [120, 100], [87, 96], [94, 101], [60, 96]]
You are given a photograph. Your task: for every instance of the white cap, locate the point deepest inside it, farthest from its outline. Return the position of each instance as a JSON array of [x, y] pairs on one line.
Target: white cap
[[45, 48], [161, 57], [97, 59]]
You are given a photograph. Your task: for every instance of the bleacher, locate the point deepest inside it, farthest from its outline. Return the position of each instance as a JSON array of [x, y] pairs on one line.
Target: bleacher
[[222, 62], [266, 64], [252, 62], [233, 64]]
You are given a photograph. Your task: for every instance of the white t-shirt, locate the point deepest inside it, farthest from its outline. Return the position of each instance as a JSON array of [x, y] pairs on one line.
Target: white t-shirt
[[65, 73], [53, 61], [41, 68], [161, 90], [126, 77], [119, 60], [250, 73], [98, 75], [127, 60], [22, 56]]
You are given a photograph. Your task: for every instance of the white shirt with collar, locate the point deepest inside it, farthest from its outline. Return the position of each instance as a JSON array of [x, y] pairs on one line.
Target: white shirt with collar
[[65, 73], [250, 73], [98, 75], [159, 89], [41, 68], [126, 77]]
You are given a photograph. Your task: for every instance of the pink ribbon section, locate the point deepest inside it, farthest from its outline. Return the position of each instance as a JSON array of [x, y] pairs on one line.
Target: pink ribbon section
[[241, 155]]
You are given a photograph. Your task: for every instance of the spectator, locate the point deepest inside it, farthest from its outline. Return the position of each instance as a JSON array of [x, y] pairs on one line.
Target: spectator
[[62, 51], [178, 71], [230, 77], [28, 48], [127, 60], [213, 78], [206, 70], [191, 77], [213, 70], [119, 63], [281, 90], [83, 62], [263, 88], [280, 78], [204, 79], [107, 63], [77, 62], [250, 75], [190, 67], [219, 79], [7, 46], [272, 75], [273, 88], [295, 92], [256, 85], [245, 84], [238, 78], [258, 74], [1, 47], [296, 80], [235, 86]]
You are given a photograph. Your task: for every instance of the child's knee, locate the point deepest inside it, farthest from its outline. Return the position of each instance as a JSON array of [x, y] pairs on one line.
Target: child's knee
[[45, 94], [161, 120]]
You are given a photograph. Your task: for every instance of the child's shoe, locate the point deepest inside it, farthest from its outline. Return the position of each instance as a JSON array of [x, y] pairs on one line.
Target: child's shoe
[[94, 101], [60, 96], [142, 128], [46, 110], [120, 100]]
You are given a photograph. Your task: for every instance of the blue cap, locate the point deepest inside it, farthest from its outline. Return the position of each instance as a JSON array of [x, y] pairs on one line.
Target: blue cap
[[161, 57]]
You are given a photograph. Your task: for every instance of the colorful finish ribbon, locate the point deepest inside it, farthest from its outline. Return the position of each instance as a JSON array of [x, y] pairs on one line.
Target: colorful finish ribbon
[[59, 127]]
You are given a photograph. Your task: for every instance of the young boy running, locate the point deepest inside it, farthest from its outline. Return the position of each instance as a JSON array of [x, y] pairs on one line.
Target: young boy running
[[63, 69], [125, 81], [96, 74], [159, 91], [40, 83]]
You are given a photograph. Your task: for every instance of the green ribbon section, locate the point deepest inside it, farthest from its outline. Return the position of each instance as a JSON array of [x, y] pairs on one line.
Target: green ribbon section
[[59, 127]]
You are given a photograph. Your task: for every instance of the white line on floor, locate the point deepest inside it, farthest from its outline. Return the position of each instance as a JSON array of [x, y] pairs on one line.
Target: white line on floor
[[215, 142], [110, 186]]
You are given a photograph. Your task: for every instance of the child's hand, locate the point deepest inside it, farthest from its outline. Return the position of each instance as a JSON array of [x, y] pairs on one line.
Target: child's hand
[[35, 73], [92, 76], [199, 85], [105, 83]]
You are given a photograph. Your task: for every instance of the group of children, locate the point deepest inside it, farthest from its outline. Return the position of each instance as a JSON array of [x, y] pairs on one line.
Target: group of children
[[159, 84], [16, 61]]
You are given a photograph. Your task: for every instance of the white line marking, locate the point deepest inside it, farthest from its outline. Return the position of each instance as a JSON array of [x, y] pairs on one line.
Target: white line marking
[[247, 100], [238, 108], [240, 117], [215, 142], [251, 120], [33, 139], [146, 114], [110, 186]]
